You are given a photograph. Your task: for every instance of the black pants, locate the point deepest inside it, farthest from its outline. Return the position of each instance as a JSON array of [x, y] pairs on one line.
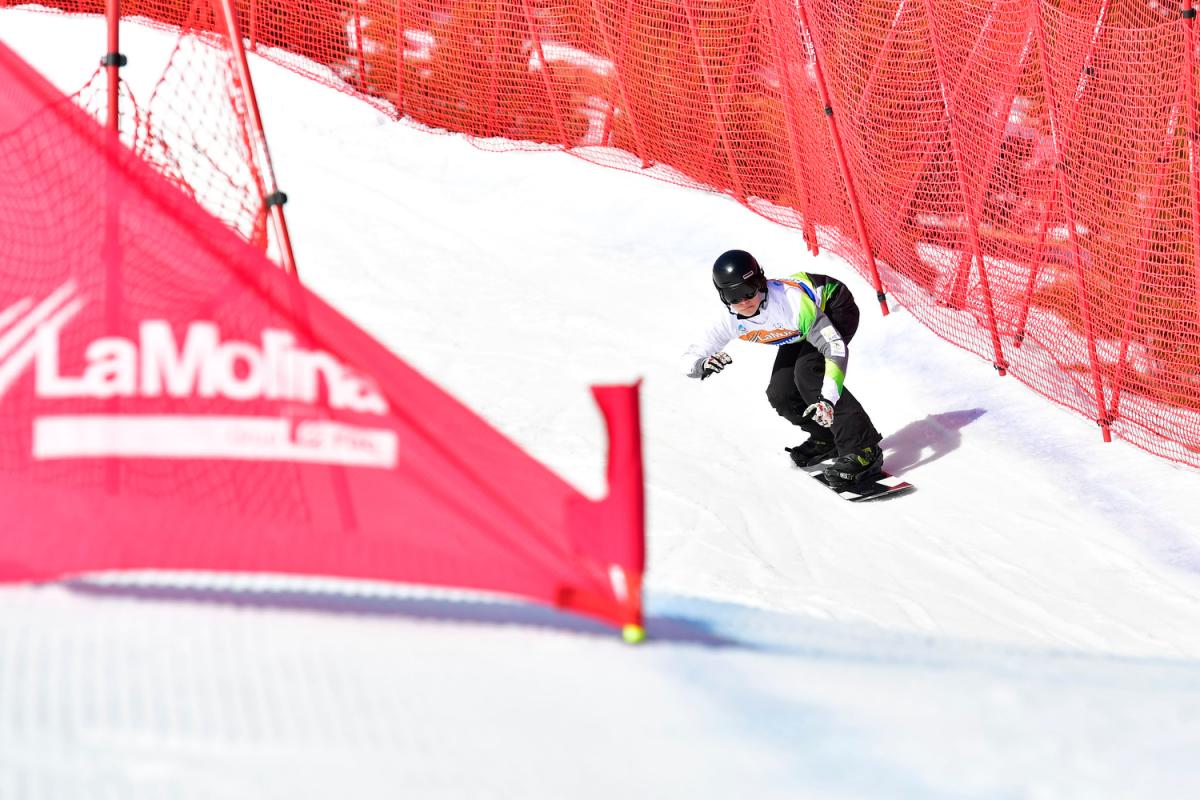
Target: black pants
[[796, 383]]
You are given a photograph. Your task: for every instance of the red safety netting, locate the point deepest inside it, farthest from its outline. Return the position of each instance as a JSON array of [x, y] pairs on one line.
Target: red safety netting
[[1021, 175], [197, 125], [170, 400]]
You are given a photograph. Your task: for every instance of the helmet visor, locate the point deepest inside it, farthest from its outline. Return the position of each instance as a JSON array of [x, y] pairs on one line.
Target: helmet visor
[[737, 294]]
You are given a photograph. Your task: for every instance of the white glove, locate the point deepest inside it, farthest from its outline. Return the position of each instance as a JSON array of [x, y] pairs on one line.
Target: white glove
[[821, 412], [714, 364]]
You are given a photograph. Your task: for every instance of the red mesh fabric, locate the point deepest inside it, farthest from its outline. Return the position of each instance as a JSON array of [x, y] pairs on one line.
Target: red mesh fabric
[[169, 399], [216, 162], [1022, 175]]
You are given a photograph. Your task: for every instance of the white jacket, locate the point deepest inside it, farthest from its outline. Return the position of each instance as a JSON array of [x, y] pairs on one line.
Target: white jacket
[[792, 311]]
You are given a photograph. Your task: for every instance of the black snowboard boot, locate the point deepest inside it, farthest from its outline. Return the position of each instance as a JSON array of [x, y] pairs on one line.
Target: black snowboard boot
[[858, 466], [813, 452]]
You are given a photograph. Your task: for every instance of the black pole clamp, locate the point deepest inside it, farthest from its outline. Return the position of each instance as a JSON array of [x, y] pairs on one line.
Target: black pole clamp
[[114, 59], [1188, 13], [829, 111], [275, 199]]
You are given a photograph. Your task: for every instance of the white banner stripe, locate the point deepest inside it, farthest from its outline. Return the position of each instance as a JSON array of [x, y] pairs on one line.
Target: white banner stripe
[[12, 312], [245, 438], [34, 318], [13, 364]]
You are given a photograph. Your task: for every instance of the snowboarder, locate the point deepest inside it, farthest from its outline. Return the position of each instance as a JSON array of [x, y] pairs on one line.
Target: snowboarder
[[810, 318]]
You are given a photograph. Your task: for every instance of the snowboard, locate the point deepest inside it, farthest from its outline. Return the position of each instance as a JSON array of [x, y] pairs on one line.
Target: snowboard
[[880, 487]]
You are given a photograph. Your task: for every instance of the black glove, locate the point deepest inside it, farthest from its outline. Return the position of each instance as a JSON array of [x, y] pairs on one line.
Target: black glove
[[714, 364]]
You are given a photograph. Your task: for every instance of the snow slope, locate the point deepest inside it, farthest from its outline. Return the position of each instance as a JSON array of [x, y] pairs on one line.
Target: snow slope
[[1023, 626]]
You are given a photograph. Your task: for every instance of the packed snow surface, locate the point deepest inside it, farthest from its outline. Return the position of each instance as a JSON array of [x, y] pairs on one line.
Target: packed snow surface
[[1025, 625]]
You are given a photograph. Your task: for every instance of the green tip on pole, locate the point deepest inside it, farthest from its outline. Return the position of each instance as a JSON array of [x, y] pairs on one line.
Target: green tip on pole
[[633, 634]]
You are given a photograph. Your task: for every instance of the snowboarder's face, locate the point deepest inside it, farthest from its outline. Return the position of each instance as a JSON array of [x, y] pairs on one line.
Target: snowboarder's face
[[749, 306]]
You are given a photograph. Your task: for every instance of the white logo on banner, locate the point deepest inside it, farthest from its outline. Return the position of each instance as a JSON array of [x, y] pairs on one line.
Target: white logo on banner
[[156, 364]]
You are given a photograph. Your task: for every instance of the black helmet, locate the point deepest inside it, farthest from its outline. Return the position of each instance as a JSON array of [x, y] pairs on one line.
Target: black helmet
[[737, 276]]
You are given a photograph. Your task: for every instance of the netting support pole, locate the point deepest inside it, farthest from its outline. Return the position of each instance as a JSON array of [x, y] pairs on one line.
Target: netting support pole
[[1080, 87], [112, 62], [968, 205], [1034, 269], [401, 40], [1064, 191], [253, 32], [546, 77], [995, 155], [275, 198], [722, 100], [860, 225], [881, 58], [111, 248], [903, 208], [358, 46], [1143, 255], [618, 60], [712, 98], [492, 128], [790, 107], [1189, 65]]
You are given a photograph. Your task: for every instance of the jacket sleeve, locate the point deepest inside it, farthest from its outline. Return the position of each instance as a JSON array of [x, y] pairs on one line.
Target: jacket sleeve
[[713, 341], [828, 341]]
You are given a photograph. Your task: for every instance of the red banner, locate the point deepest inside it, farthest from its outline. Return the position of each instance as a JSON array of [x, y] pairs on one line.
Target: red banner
[[169, 399]]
